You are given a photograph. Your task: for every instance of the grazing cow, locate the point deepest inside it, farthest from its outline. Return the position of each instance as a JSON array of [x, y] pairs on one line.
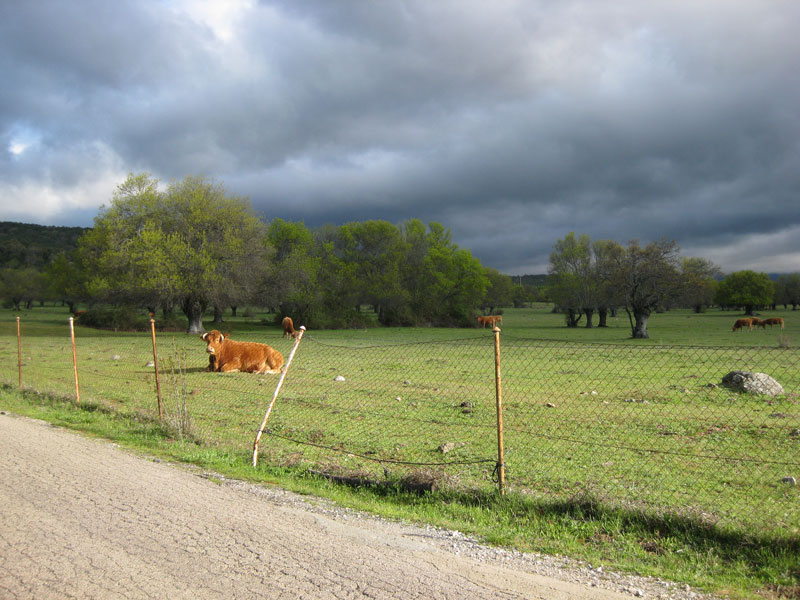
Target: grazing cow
[[758, 323], [773, 321], [288, 328], [227, 355], [741, 323], [491, 320]]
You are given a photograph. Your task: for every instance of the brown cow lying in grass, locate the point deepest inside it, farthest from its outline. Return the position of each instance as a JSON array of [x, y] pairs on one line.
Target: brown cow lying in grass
[[490, 320], [742, 323], [227, 355], [288, 328], [773, 321]]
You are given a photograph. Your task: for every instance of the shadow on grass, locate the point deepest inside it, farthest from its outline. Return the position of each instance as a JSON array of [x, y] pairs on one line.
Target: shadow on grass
[[767, 556]]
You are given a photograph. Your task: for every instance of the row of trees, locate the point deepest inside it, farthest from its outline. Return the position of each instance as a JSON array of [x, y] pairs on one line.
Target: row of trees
[[194, 247], [601, 276]]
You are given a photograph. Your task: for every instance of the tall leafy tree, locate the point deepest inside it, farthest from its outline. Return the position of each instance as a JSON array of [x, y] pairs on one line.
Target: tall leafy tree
[[192, 246], [607, 258], [572, 285], [700, 282], [444, 282], [291, 285], [66, 281], [787, 290], [376, 251], [24, 284], [747, 289], [647, 277], [500, 292]]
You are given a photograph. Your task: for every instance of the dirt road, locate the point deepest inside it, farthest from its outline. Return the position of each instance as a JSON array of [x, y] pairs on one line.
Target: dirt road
[[80, 518]]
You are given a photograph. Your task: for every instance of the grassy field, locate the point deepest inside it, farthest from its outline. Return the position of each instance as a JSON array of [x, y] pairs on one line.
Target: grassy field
[[613, 445]]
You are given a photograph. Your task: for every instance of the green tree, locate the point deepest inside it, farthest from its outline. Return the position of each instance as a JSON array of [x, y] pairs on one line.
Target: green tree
[[192, 245], [66, 280], [700, 282], [376, 251], [500, 292], [571, 281], [747, 289], [444, 283], [787, 290], [23, 284], [608, 256], [647, 278], [291, 284]]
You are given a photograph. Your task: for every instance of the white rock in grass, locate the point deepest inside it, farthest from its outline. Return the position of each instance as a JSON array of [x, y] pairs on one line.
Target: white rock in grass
[[338, 378], [753, 383], [115, 357], [150, 364]]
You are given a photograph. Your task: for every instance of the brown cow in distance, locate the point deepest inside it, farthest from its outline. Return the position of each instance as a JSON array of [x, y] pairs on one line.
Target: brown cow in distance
[[773, 321], [227, 355], [288, 328], [758, 323], [490, 320], [742, 323]]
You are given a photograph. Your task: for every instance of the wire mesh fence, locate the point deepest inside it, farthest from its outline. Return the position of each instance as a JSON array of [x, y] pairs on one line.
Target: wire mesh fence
[[641, 427]]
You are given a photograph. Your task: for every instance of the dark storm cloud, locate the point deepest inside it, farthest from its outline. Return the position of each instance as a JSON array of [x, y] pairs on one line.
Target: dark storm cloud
[[511, 123]]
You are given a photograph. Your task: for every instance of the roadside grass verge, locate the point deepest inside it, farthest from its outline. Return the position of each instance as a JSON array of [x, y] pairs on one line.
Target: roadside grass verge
[[708, 557]]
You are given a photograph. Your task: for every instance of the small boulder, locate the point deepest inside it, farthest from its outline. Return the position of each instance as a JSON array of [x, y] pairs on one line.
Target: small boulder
[[338, 378], [753, 383], [450, 446]]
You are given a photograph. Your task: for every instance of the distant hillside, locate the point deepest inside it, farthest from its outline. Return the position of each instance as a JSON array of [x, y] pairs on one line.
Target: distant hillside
[[26, 245]]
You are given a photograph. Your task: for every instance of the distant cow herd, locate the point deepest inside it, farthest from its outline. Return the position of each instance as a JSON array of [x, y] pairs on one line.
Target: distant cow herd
[[751, 322]]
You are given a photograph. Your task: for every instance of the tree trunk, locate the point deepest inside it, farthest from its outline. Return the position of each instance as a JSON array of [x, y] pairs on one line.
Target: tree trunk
[[602, 314], [573, 316], [233, 311], [748, 310], [640, 328], [194, 310], [588, 312], [217, 314]]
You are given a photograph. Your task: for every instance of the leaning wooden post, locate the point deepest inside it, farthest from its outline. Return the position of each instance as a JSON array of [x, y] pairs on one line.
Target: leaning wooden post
[[19, 354], [74, 360], [501, 464], [299, 336], [155, 366]]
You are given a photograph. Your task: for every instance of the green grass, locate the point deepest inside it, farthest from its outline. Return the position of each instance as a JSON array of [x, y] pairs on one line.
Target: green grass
[[618, 451]]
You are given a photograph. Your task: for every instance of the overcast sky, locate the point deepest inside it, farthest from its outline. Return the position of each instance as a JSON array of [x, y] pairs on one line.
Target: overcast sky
[[509, 122]]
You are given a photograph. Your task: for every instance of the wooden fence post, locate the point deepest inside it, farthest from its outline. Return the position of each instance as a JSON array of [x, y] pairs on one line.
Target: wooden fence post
[[299, 334], [74, 360], [155, 366], [501, 464], [19, 353]]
